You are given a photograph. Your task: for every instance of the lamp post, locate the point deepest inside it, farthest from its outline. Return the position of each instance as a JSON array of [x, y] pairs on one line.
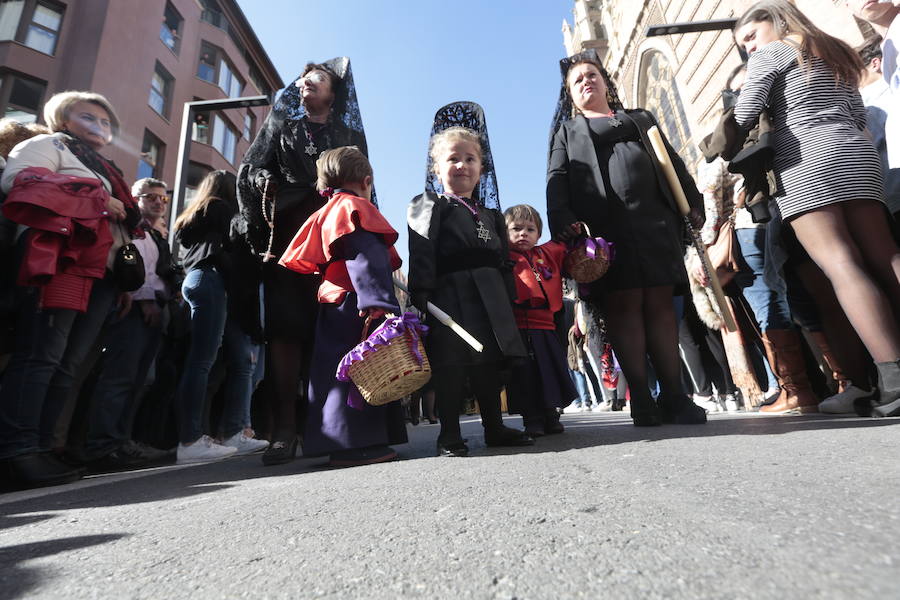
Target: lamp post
[[694, 27], [184, 147]]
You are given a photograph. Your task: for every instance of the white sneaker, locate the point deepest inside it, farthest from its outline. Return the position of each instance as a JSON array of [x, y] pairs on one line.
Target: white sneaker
[[587, 408], [603, 407], [244, 444], [707, 403], [203, 450], [573, 408], [731, 403], [841, 404]]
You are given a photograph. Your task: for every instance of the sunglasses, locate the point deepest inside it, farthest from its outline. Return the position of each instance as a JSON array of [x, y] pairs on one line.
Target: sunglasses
[[161, 197]]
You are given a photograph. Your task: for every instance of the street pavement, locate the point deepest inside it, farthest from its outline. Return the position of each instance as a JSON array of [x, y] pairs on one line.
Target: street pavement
[[744, 507]]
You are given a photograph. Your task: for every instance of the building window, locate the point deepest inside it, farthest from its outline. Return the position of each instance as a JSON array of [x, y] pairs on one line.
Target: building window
[[214, 67], [206, 68], [230, 83], [33, 23], [170, 30], [258, 81], [224, 138], [200, 128], [249, 125], [21, 98], [160, 90], [150, 162]]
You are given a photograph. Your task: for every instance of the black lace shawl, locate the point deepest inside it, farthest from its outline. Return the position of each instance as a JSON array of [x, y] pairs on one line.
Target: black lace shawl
[[565, 108], [345, 123], [471, 116]]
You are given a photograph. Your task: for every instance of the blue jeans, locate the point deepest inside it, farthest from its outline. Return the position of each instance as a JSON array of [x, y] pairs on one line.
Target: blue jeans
[[580, 381], [51, 345], [770, 308], [204, 291], [131, 346]]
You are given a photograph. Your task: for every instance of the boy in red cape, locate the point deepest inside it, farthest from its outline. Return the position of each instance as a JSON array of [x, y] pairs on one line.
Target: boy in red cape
[[541, 384], [351, 245]]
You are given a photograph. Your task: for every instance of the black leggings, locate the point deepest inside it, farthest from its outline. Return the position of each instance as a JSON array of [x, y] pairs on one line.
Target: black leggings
[[449, 389]]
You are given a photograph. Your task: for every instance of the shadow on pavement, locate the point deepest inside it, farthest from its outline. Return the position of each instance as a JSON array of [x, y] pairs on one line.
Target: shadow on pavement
[[16, 580]]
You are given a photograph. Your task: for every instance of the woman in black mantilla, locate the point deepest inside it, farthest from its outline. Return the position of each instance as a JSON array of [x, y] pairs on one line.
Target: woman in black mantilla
[[458, 251], [277, 193], [602, 173]]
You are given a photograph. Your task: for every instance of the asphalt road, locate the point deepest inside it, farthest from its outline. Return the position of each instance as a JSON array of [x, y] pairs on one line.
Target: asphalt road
[[744, 507]]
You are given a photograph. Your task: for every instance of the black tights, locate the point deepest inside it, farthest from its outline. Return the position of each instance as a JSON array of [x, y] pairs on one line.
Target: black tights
[[449, 387], [641, 322], [284, 370]]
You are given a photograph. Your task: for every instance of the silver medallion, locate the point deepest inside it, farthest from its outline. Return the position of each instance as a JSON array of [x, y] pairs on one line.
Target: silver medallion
[[614, 122], [483, 232], [311, 149]]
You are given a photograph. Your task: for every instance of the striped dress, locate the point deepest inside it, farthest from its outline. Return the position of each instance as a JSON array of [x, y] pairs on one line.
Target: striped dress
[[822, 155]]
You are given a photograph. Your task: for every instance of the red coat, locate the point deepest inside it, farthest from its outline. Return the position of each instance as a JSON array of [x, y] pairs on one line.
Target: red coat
[[311, 250], [537, 301], [68, 240]]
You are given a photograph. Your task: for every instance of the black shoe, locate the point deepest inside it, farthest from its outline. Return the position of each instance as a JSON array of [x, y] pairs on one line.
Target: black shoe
[[680, 410], [280, 452], [553, 428], [362, 456], [37, 469], [507, 436], [453, 449], [154, 456], [645, 413], [125, 458]]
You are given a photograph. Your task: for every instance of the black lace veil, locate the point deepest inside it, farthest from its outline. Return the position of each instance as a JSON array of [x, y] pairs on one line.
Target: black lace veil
[[471, 116], [565, 108], [288, 106]]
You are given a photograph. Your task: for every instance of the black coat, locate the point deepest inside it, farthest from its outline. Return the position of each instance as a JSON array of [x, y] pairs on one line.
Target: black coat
[[466, 276], [608, 178]]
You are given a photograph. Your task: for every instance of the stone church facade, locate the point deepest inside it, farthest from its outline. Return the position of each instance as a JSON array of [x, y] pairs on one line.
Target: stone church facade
[[679, 77]]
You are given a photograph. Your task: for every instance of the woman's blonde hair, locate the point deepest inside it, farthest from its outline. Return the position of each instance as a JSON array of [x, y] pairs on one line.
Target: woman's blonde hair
[[58, 107], [340, 166], [217, 185], [450, 135], [787, 19]]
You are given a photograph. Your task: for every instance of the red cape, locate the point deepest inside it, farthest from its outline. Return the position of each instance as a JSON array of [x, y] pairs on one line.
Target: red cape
[[312, 249]]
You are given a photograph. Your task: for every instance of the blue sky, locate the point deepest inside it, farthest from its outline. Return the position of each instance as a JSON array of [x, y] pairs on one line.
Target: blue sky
[[410, 57]]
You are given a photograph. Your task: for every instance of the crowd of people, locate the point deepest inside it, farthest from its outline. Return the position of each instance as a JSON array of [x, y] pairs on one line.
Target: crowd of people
[[118, 353]]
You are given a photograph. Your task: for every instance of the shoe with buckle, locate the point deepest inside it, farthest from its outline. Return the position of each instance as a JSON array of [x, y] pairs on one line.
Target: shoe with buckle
[[280, 452], [459, 449]]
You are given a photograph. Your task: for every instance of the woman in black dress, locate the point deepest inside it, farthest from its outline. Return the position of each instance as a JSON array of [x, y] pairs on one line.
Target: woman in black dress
[[602, 175], [277, 193]]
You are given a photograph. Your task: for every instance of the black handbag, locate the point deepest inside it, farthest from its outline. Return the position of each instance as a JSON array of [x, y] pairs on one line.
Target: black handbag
[[128, 268]]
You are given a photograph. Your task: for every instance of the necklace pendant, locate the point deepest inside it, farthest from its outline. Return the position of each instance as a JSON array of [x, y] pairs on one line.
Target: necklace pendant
[[483, 232], [537, 276], [311, 148], [614, 122]]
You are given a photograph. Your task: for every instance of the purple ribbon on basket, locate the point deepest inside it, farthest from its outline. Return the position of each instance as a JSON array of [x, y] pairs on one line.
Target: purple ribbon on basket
[[592, 244], [392, 328]]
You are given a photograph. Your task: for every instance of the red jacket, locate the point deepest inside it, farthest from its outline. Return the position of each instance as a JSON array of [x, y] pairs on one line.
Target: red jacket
[[68, 240], [538, 299], [311, 250]]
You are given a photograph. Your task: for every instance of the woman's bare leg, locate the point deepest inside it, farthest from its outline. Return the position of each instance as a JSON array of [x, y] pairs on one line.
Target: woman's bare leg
[[825, 235]]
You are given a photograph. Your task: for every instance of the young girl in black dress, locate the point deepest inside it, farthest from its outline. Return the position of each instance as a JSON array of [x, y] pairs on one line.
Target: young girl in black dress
[[457, 252]]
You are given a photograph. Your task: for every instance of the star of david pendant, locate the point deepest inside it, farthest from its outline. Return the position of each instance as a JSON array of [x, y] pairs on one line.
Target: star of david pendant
[[537, 276], [614, 122], [311, 149], [483, 232]]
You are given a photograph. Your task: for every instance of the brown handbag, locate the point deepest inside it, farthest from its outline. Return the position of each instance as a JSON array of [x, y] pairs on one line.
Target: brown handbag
[[724, 252]]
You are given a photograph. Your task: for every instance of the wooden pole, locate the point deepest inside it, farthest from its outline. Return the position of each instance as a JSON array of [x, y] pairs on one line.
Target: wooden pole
[[662, 155]]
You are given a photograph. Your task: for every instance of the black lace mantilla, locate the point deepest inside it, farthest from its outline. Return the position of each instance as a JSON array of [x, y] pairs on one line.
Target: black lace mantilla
[[565, 109], [289, 107], [471, 116]]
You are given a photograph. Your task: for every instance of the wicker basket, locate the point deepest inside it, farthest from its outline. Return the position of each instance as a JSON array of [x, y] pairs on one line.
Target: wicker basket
[[390, 363], [589, 259]]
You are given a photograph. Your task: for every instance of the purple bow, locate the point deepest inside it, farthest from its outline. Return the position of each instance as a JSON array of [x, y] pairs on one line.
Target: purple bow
[[591, 245], [391, 328]]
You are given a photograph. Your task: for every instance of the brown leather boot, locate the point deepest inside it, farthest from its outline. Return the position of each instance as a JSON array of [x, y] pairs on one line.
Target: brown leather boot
[[830, 361], [786, 357]]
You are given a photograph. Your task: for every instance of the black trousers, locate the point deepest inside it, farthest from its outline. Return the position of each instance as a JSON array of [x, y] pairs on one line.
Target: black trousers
[[449, 390]]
